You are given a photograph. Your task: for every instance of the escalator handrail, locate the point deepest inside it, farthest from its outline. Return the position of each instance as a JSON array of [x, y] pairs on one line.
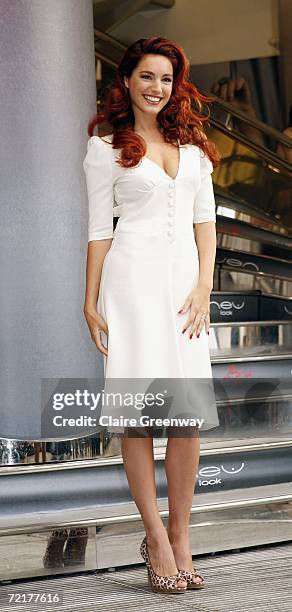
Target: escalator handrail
[[109, 39], [250, 121], [268, 156]]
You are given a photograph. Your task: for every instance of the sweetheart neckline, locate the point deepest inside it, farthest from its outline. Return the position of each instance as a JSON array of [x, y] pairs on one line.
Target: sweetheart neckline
[[180, 148], [162, 169]]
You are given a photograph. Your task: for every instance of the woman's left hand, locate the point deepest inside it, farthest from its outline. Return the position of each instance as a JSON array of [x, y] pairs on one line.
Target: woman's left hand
[[198, 301]]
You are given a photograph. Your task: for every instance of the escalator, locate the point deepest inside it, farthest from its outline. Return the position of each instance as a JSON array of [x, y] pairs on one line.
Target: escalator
[[74, 494]]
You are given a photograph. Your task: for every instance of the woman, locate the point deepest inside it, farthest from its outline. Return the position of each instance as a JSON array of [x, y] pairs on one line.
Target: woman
[[149, 281]]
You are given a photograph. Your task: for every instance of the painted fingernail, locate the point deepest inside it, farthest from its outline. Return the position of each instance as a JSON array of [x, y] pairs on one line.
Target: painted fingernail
[[198, 335], [183, 331], [181, 310], [208, 333], [191, 335]]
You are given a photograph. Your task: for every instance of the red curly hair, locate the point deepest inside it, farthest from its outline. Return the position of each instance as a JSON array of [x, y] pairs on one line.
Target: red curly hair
[[177, 120]]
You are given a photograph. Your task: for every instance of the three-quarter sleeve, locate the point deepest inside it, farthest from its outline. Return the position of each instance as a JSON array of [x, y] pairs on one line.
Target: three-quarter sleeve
[[99, 181], [204, 203]]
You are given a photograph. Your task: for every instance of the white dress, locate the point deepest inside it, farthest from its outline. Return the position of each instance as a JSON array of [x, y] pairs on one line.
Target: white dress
[[152, 263]]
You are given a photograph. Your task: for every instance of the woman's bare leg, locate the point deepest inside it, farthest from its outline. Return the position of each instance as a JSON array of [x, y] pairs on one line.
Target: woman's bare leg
[[139, 466], [181, 464]]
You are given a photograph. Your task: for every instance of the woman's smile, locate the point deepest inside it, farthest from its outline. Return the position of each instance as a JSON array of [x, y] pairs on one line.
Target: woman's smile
[[152, 99]]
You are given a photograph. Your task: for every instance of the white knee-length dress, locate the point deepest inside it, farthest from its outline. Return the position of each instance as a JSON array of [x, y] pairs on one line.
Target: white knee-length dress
[[152, 263]]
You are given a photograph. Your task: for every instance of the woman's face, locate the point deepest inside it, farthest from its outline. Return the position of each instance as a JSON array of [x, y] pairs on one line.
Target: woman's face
[[150, 84]]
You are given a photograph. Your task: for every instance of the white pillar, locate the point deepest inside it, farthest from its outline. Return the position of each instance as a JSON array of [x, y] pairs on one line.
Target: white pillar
[[48, 95]]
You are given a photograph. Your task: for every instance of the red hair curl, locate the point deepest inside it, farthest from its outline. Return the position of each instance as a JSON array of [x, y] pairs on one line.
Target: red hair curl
[[177, 120]]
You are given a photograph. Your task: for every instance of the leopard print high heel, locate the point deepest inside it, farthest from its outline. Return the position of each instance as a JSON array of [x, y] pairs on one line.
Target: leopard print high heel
[[160, 584], [188, 576]]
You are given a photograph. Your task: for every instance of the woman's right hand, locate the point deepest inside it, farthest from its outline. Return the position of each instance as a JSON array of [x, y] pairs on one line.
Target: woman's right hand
[[96, 323]]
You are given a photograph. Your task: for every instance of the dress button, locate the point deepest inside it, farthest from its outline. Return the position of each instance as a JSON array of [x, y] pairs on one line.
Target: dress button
[[170, 222], [170, 212], [170, 203], [169, 233]]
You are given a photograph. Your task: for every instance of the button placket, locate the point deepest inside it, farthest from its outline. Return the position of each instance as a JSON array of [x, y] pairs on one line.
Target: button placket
[[170, 212]]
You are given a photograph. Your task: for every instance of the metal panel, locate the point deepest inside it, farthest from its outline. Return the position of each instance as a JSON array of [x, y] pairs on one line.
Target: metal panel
[[45, 553], [221, 530], [232, 520]]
